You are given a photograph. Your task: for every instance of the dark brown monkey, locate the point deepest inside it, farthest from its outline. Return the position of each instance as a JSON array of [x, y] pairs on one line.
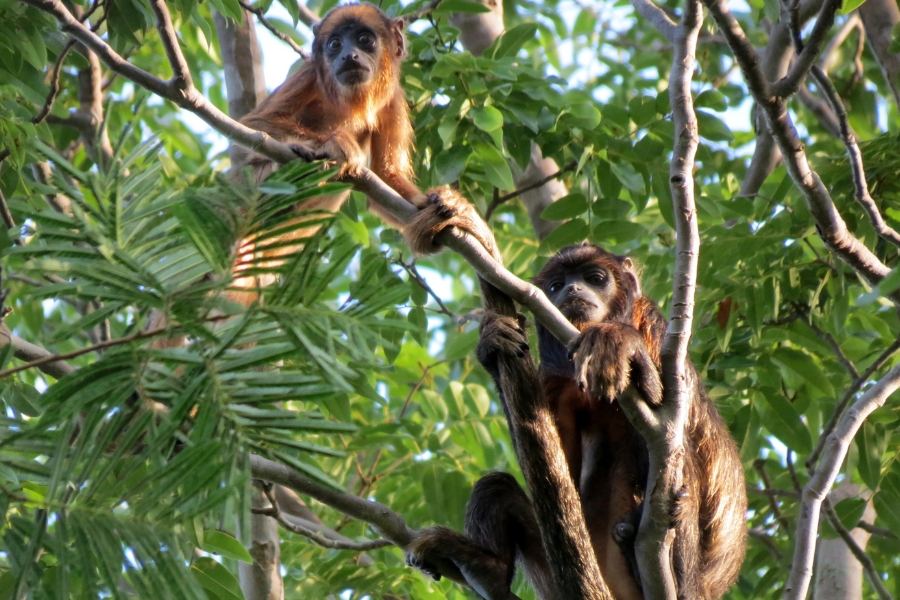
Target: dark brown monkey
[[346, 104], [614, 359]]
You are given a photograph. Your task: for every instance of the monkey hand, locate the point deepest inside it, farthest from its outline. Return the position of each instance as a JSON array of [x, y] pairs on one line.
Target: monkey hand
[[445, 207], [501, 337], [609, 358], [338, 147]]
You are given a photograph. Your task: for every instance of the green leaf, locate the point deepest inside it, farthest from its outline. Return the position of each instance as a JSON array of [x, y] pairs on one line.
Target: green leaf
[[887, 499], [494, 165], [216, 579], [567, 234], [803, 365], [872, 440], [461, 346], [460, 6], [713, 99], [512, 40], [570, 205], [221, 543], [629, 176], [713, 128], [487, 118], [850, 5], [784, 422]]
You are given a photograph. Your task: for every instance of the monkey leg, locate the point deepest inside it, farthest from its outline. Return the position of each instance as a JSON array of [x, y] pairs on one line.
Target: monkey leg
[[501, 529], [445, 208], [610, 357]]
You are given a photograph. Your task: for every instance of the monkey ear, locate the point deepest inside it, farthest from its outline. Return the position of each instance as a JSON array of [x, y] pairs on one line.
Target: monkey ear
[[397, 31], [317, 26], [629, 269]]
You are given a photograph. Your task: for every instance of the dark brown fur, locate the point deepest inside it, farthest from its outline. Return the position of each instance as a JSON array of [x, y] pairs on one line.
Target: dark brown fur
[[615, 359]]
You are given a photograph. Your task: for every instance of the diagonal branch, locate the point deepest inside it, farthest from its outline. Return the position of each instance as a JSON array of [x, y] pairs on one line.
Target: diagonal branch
[[816, 489], [658, 18], [190, 99], [864, 559]]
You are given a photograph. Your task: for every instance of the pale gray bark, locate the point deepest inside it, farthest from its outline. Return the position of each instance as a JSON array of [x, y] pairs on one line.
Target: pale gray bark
[[839, 576], [262, 579]]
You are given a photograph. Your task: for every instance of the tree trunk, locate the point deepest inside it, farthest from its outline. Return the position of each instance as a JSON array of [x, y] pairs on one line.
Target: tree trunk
[[838, 574], [245, 86]]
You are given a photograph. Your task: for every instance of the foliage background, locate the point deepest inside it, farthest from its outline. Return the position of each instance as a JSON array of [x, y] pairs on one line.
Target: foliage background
[[349, 369]]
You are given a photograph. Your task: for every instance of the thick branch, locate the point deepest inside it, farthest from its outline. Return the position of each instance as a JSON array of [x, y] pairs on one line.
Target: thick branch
[[665, 437], [820, 483], [49, 364], [368, 182], [879, 18]]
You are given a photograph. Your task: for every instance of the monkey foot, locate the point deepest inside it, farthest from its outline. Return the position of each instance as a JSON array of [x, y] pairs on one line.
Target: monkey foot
[[417, 561], [442, 209]]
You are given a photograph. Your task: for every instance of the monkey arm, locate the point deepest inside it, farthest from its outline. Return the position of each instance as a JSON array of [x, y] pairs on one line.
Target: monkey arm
[[503, 350]]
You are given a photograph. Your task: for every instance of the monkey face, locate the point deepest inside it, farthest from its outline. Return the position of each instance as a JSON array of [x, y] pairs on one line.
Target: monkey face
[[583, 294], [352, 49], [590, 285]]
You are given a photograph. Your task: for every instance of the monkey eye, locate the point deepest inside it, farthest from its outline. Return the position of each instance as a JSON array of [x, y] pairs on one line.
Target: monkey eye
[[334, 43], [366, 39], [596, 278], [555, 286]]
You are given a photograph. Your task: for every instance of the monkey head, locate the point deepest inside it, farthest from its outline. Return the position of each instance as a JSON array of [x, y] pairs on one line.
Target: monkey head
[[357, 45], [589, 286]]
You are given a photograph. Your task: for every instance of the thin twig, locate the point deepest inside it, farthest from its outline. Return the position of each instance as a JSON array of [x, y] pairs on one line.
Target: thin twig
[[5, 212], [141, 335], [314, 536], [498, 199], [806, 58], [261, 16], [835, 347], [420, 281], [54, 84], [765, 539], [760, 466], [773, 492], [875, 530], [864, 559]]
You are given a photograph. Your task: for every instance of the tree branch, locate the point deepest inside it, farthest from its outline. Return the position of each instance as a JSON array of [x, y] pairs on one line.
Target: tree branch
[[663, 429], [829, 223], [275, 512], [368, 183], [858, 553], [49, 364], [181, 73], [788, 86], [816, 490], [383, 520], [496, 202], [658, 18]]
